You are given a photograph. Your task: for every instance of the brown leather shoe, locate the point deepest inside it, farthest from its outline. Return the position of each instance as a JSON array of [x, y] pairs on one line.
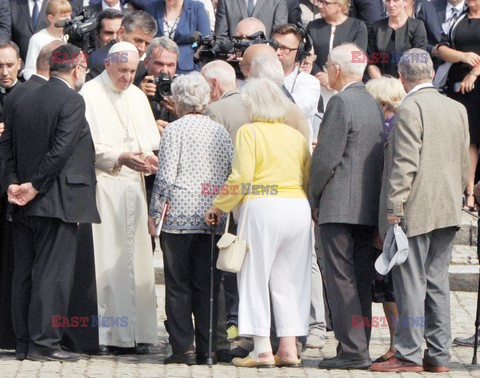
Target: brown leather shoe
[[394, 364], [434, 369]]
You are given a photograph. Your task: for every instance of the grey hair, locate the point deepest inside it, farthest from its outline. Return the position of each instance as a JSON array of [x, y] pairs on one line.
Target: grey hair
[[264, 100], [415, 64], [163, 43], [139, 20], [222, 71], [268, 67], [191, 93], [343, 56]]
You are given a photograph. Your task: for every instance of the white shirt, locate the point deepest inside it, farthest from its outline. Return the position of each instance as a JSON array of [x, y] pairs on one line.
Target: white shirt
[[449, 21], [117, 6], [417, 88], [36, 43], [31, 4], [305, 90]]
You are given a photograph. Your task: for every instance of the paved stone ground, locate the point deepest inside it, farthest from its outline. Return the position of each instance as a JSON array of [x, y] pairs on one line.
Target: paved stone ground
[[463, 306]]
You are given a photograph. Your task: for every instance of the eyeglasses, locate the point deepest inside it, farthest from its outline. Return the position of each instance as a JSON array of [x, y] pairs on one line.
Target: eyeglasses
[[285, 49], [87, 70], [325, 3], [325, 66]]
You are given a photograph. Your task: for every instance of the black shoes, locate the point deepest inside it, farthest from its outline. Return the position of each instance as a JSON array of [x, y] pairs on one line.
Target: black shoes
[[56, 355], [104, 350], [142, 349], [224, 355], [181, 358], [202, 358], [343, 363], [467, 341], [20, 355], [239, 352]]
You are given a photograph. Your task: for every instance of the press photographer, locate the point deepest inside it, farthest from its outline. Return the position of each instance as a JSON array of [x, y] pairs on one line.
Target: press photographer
[[160, 65]]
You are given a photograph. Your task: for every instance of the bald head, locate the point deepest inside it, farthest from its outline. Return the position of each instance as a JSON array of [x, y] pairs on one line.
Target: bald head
[[249, 26], [43, 59], [221, 78], [253, 52]]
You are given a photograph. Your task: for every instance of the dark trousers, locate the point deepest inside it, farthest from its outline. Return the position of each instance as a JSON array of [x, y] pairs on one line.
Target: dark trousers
[[45, 251], [349, 271], [186, 261]]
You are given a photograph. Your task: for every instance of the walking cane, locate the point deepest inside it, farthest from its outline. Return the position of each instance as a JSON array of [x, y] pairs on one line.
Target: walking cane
[[213, 222], [477, 317]]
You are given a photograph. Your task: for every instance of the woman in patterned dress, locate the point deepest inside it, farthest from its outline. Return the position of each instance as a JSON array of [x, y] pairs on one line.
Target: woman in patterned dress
[[195, 158]]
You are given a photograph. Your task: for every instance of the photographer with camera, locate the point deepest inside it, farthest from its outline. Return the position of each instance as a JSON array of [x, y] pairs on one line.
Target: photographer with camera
[[160, 65]]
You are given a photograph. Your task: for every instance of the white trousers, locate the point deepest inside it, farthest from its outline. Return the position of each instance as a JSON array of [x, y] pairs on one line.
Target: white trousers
[[277, 267]]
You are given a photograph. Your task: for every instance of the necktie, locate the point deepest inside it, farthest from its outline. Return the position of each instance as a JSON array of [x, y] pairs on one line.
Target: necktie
[[35, 14], [250, 7]]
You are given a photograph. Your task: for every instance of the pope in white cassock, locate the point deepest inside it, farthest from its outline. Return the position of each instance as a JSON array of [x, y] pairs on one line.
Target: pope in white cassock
[[124, 134]]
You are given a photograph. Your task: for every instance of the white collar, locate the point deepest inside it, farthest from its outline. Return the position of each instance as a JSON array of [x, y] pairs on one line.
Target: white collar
[[109, 83], [417, 88], [43, 77], [346, 86], [4, 90], [458, 7], [117, 6]]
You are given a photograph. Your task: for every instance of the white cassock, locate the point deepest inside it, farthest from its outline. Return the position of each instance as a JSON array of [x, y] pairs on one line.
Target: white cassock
[[120, 122]]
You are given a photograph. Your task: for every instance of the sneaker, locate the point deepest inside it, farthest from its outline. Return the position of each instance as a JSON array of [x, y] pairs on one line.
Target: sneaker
[[467, 341], [316, 341], [232, 332]]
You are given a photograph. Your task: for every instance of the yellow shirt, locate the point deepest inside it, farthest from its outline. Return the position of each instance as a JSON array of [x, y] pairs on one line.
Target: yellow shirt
[[278, 159]]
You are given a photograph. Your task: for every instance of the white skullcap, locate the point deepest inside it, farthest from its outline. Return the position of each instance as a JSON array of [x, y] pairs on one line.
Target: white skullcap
[[121, 47]]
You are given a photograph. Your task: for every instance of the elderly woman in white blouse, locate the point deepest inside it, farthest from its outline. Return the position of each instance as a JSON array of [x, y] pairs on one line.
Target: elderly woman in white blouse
[[195, 154]]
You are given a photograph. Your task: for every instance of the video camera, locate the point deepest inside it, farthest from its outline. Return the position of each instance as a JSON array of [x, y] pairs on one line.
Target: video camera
[[80, 31], [164, 86], [212, 48]]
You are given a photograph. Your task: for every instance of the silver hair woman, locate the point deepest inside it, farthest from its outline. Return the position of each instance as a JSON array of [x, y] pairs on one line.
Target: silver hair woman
[[196, 155], [274, 158], [191, 94]]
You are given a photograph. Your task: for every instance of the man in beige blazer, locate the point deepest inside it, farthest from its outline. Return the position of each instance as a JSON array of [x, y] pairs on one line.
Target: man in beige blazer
[[427, 162]]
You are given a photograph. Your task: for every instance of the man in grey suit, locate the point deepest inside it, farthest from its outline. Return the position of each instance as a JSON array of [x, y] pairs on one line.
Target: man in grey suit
[[344, 190], [230, 12], [431, 131], [226, 105]]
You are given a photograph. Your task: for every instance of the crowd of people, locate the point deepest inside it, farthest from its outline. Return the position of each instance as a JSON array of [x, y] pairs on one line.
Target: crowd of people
[[318, 135]]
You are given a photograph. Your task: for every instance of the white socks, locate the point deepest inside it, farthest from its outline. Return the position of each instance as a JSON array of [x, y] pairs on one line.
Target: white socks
[[260, 345]]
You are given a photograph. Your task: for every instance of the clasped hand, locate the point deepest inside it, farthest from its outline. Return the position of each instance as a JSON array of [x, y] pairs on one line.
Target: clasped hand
[[21, 194]]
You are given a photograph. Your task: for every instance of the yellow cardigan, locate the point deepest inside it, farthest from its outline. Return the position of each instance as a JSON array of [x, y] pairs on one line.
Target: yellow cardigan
[[279, 165]]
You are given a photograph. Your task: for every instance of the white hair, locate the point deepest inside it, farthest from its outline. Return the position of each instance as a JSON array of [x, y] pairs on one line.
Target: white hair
[[264, 100], [268, 67], [222, 71], [343, 56], [191, 92]]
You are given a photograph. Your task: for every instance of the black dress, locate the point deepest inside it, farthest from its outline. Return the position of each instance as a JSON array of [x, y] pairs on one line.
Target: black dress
[[386, 45], [467, 39], [351, 30]]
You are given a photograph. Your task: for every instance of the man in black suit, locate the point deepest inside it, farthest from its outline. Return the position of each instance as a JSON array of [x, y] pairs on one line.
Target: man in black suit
[[437, 22], [5, 21], [10, 64], [368, 11], [22, 25], [52, 182], [229, 13]]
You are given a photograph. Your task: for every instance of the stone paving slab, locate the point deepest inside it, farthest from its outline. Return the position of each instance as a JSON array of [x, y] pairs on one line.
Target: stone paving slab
[[463, 305]]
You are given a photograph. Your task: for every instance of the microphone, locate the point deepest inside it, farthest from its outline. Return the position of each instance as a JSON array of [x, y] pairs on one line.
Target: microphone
[[195, 37], [61, 23]]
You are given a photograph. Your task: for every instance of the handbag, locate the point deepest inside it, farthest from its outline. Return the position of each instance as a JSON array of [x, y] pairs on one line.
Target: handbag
[[232, 248]]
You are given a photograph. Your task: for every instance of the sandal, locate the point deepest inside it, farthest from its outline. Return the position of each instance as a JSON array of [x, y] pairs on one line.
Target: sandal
[[466, 207]]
